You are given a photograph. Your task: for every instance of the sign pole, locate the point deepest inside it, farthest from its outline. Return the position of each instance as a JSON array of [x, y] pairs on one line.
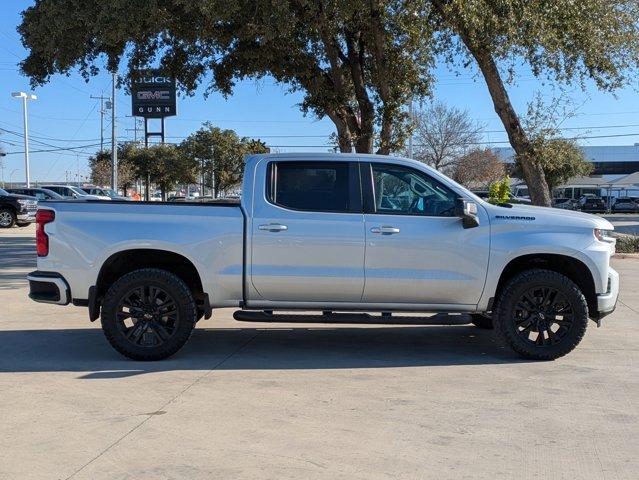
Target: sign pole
[[148, 174], [114, 149]]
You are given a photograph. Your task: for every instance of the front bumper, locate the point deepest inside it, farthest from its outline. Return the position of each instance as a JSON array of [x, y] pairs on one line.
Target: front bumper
[[606, 302], [28, 217], [48, 287]]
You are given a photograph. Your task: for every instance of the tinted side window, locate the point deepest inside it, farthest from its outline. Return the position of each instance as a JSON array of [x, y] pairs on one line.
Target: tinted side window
[[310, 186], [405, 191]]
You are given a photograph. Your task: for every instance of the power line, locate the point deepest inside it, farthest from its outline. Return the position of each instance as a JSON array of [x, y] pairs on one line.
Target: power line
[[79, 147]]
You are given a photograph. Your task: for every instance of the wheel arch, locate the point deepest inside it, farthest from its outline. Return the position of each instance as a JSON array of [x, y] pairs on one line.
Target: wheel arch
[[125, 261], [573, 268]]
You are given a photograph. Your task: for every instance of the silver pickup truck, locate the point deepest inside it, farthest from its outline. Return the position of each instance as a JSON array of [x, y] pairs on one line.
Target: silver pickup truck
[[330, 233]]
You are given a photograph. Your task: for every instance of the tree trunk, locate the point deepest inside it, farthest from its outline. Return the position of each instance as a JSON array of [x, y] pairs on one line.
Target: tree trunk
[[344, 137], [533, 173]]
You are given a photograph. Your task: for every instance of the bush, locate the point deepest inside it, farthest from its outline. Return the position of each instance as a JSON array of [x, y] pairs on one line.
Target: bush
[[499, 191], [628, 244]]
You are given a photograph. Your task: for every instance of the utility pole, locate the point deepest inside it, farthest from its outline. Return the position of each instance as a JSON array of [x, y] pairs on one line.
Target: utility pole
[[102, 98], [114, 149], [134, 129]]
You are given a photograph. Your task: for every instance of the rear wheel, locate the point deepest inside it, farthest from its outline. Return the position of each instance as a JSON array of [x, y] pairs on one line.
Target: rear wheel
[[541, 315], [148, 314], [7, 218]]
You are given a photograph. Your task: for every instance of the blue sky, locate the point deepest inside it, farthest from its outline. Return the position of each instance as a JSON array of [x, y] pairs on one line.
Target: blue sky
[[64, 114]]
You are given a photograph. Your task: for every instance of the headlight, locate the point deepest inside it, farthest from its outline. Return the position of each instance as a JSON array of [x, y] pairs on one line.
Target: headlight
[[604, 235]]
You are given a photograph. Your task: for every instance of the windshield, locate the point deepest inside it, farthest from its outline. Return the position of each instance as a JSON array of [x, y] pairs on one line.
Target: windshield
[[77, 190], [108, 192], [3, 192]]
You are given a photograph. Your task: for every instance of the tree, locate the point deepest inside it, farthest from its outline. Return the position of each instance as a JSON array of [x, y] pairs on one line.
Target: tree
[[478, 168], [560, 40], [357, 62], [560, 159], [164, 165], [219, 154], [443, 135], [100, 165]]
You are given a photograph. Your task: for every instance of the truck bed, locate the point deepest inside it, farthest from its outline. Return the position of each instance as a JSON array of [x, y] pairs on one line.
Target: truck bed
[[86, 233]]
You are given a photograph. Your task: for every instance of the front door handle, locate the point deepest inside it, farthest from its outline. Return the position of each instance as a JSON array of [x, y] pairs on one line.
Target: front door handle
[[385, 230], [273, 227]]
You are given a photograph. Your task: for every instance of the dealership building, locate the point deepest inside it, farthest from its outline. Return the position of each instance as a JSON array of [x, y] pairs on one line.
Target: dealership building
[[616, 171]]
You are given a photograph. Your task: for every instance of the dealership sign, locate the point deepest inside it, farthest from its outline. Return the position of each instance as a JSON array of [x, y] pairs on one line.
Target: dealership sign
[[153, 95]]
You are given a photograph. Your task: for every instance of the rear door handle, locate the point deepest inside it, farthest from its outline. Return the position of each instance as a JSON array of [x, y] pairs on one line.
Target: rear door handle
[[273, 227], [385, 230]]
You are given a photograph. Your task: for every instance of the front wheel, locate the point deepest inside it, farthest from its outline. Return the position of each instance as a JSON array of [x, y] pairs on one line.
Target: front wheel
[[7, 218], [148, 314], [541, 315]]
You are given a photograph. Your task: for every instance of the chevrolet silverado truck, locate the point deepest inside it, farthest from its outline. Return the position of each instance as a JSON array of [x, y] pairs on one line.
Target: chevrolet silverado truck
[[17, 210], [328, 233]]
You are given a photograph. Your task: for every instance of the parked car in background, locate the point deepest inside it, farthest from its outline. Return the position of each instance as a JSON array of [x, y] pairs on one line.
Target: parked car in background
[[104, 192], [38, 193], [329, 233], [592, 204], [69, 191], [565, 203], [16, 209], [626, 205]]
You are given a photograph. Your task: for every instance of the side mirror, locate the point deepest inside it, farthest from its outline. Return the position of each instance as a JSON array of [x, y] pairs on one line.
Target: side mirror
[[467, 211]]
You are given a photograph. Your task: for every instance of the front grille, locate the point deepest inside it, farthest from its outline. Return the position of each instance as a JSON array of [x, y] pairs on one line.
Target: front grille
[[31, 206]]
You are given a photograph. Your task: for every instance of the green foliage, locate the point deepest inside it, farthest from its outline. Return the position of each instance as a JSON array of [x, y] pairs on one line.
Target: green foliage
[[561, 159], [164, 164], [356, 61], [627, 244], [222, 151], [499, 191], [561, 40]]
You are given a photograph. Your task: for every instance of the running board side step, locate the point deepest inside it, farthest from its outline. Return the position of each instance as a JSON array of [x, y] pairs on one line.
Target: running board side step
[[349, 318]]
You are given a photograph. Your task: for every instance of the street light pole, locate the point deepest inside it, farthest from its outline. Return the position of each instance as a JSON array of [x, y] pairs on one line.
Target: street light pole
[[114, 149], [11, 177], [25, 96]]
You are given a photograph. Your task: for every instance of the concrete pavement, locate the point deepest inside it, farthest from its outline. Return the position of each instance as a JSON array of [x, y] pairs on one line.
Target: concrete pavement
[[249, 401]]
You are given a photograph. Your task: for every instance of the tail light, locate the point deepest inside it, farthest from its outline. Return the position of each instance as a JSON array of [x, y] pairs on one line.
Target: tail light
[[42, 239]]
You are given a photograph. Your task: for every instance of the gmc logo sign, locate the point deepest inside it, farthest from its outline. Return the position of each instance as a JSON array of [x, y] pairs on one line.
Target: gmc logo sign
[[157, 95]]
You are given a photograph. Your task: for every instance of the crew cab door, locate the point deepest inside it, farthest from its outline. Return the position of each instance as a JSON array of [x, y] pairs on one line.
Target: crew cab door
[[417, 250], [307, 241]]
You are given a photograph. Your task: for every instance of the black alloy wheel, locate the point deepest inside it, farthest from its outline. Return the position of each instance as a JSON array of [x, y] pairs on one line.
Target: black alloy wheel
[[541, 314], [147, 316]]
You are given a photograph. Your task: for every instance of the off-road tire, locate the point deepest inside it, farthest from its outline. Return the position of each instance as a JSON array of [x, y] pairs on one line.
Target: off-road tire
[[505, 319], [7, 217], [481, 320], [150, 277]]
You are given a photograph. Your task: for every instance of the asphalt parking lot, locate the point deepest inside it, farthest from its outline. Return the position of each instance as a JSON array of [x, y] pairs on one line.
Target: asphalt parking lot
[[249, 401]]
